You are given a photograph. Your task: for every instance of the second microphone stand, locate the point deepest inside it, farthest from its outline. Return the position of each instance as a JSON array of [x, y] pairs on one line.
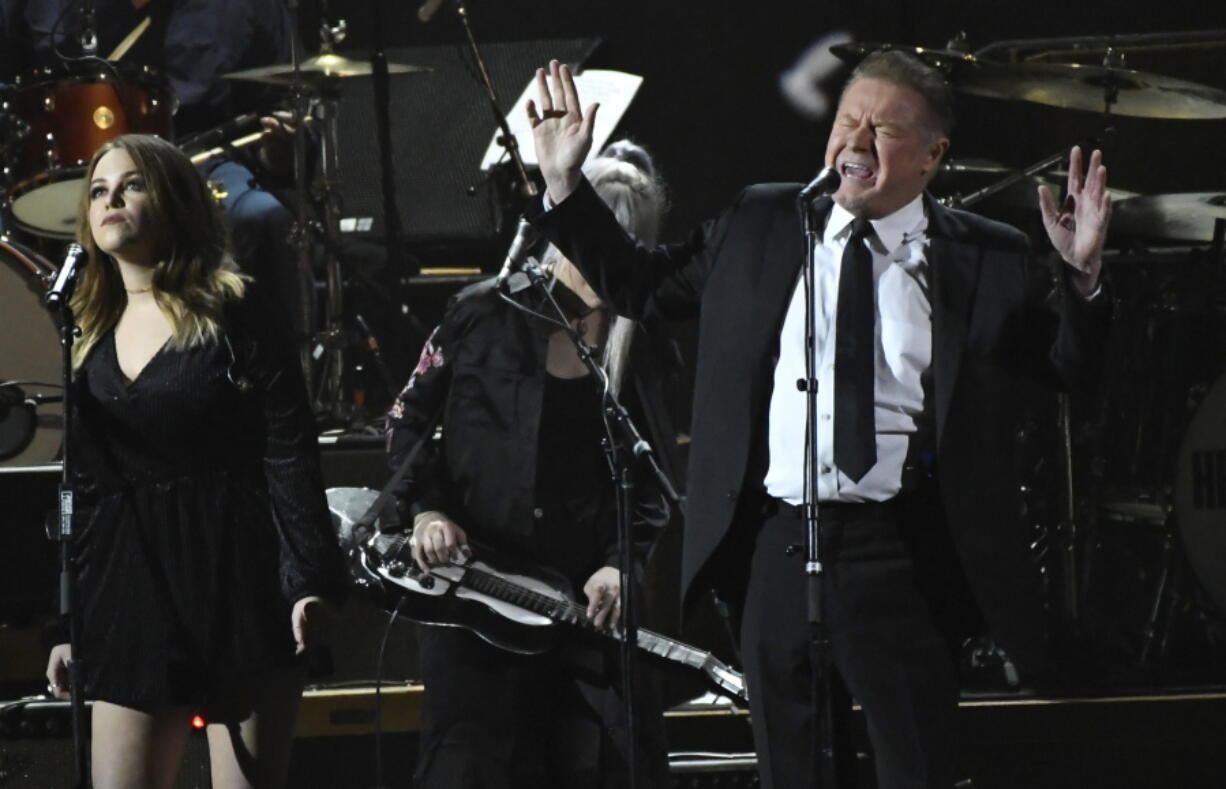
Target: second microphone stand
[[626, 446]]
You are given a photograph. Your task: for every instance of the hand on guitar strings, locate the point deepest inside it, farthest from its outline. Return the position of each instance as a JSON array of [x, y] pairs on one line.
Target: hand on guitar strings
[[436, 540], [604, 601]]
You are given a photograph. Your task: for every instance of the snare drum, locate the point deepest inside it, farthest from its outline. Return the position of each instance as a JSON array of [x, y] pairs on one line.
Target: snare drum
[[65, 114], [29, 357]]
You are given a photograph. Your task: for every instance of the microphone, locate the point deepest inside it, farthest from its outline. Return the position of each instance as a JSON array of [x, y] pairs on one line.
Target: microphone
[[525, 237], [428, 9], [74, 260], [824, 183]]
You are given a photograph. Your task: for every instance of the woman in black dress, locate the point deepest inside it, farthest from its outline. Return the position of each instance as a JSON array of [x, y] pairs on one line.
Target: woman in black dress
[[207, 555]]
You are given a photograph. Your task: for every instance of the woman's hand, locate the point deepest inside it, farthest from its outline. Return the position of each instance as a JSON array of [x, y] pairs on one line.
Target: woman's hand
[[436, 539], [57, 670], [311, 621], [604, 602]]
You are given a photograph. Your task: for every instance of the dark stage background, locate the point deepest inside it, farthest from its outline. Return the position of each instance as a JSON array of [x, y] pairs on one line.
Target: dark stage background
[[711, 111]]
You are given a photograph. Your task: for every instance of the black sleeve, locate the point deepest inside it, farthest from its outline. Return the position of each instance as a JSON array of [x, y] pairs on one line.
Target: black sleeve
[[311, 559], [414, 415], [637, 281]]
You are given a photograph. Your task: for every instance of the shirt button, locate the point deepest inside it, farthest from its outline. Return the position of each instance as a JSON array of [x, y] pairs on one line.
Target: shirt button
[[825, 417], [732, 495], [825, 469], [538, 513]]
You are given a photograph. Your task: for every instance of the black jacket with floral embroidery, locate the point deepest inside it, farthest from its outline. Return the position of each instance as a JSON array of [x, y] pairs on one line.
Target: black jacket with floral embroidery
[[484, 367]]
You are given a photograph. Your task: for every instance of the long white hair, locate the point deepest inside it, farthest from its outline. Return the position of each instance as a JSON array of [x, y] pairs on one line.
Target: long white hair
[[625, 178]]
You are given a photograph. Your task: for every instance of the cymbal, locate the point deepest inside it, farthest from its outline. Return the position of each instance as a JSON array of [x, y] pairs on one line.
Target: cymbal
[[1074, 86], [943, 59], [1181, 216], [320, 70]]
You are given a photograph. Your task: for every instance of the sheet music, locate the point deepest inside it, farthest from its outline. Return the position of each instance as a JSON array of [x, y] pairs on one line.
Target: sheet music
[[613, 90]]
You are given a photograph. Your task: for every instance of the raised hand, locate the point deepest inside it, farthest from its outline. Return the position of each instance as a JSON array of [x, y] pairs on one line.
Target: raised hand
[[1078, 228], [561, 131]]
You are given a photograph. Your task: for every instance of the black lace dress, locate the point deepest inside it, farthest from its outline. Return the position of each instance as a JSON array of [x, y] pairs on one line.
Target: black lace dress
[[208, 518]]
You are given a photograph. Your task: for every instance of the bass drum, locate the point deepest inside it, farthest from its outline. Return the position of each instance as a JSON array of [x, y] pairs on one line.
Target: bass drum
[[30, 366], [1200, 494], [64, 115]]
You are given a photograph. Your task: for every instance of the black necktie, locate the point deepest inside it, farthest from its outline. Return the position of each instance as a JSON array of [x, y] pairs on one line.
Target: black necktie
[[855, 432]]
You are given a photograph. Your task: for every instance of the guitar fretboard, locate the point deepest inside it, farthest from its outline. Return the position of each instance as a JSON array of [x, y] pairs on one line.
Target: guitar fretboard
[[560, 609]]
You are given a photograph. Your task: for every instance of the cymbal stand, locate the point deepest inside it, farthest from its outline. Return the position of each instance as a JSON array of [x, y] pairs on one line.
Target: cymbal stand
[[1044, 164], [300, 234], [329, 343], [1069, 598]]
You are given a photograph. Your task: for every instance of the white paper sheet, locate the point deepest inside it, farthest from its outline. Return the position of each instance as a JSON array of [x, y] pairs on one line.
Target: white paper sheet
[[613, 90]]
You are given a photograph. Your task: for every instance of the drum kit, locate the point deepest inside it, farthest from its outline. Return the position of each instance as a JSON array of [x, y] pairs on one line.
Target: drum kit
[[52, 120]]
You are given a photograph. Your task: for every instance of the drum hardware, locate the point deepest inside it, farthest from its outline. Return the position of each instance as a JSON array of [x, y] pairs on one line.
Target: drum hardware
[[65, 114], [1068, 530], [1110, 88], [949, 61], [319, 80], [1200, 494], [32, 428], [1031, 171], [318, 73]]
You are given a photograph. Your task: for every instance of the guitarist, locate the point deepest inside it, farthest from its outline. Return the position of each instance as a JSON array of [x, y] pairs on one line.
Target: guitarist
[[520, 468]]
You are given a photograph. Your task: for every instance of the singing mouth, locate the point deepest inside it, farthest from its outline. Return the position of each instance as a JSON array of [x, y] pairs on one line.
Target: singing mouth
[[856, 172]]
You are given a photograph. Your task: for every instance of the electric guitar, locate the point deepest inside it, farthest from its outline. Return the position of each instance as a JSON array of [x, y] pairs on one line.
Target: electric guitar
[[511, 604]]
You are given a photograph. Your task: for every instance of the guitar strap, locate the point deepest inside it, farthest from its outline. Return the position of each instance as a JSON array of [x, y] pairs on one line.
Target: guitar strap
[[363, 524]]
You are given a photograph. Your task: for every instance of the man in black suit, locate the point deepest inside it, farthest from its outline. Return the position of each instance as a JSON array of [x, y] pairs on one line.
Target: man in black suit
[[931, 317]]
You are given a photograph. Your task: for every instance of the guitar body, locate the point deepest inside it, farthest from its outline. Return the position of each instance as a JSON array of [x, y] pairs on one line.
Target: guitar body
[[513, 605], [443, 598]]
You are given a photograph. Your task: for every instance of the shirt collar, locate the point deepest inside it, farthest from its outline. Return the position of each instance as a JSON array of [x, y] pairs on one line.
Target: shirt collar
[[891, 230]]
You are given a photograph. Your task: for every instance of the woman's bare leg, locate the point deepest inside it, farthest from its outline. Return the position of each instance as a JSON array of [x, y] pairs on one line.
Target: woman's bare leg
[[133, 750], [253, 753]]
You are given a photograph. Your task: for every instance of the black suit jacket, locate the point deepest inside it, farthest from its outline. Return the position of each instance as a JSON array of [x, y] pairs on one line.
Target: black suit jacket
[[992, 324]]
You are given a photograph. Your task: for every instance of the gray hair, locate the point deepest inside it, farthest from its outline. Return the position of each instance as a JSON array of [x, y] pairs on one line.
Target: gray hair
[[904, 69]]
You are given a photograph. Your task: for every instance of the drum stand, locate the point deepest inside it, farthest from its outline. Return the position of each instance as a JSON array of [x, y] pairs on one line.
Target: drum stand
[[330, 341]]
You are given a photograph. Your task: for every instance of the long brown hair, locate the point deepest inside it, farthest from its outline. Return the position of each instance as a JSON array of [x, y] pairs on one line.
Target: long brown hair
[[194, 276]]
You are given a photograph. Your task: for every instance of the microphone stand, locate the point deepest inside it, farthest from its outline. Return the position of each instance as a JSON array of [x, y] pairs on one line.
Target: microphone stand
[[527, 188], [824, 773], [621, 455], [382, 97], [64, 533]]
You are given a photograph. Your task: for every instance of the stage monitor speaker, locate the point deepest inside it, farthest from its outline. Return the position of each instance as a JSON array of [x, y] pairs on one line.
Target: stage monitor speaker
[[441, 124]]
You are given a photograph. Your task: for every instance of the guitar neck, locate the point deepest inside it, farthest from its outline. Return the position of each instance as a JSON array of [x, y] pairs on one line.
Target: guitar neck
[[561, 609]]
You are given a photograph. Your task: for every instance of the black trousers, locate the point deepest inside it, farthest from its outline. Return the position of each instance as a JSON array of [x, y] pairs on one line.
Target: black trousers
[[891, 585], [492, 719]]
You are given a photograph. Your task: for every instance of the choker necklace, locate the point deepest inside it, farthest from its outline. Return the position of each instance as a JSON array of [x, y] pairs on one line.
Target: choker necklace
[[139, 290]]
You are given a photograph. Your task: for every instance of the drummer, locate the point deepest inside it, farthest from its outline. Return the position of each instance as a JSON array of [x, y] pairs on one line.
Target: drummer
[[193, 42]]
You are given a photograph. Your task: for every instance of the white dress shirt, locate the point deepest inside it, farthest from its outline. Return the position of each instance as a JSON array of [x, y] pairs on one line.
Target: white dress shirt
[[902, 351]]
